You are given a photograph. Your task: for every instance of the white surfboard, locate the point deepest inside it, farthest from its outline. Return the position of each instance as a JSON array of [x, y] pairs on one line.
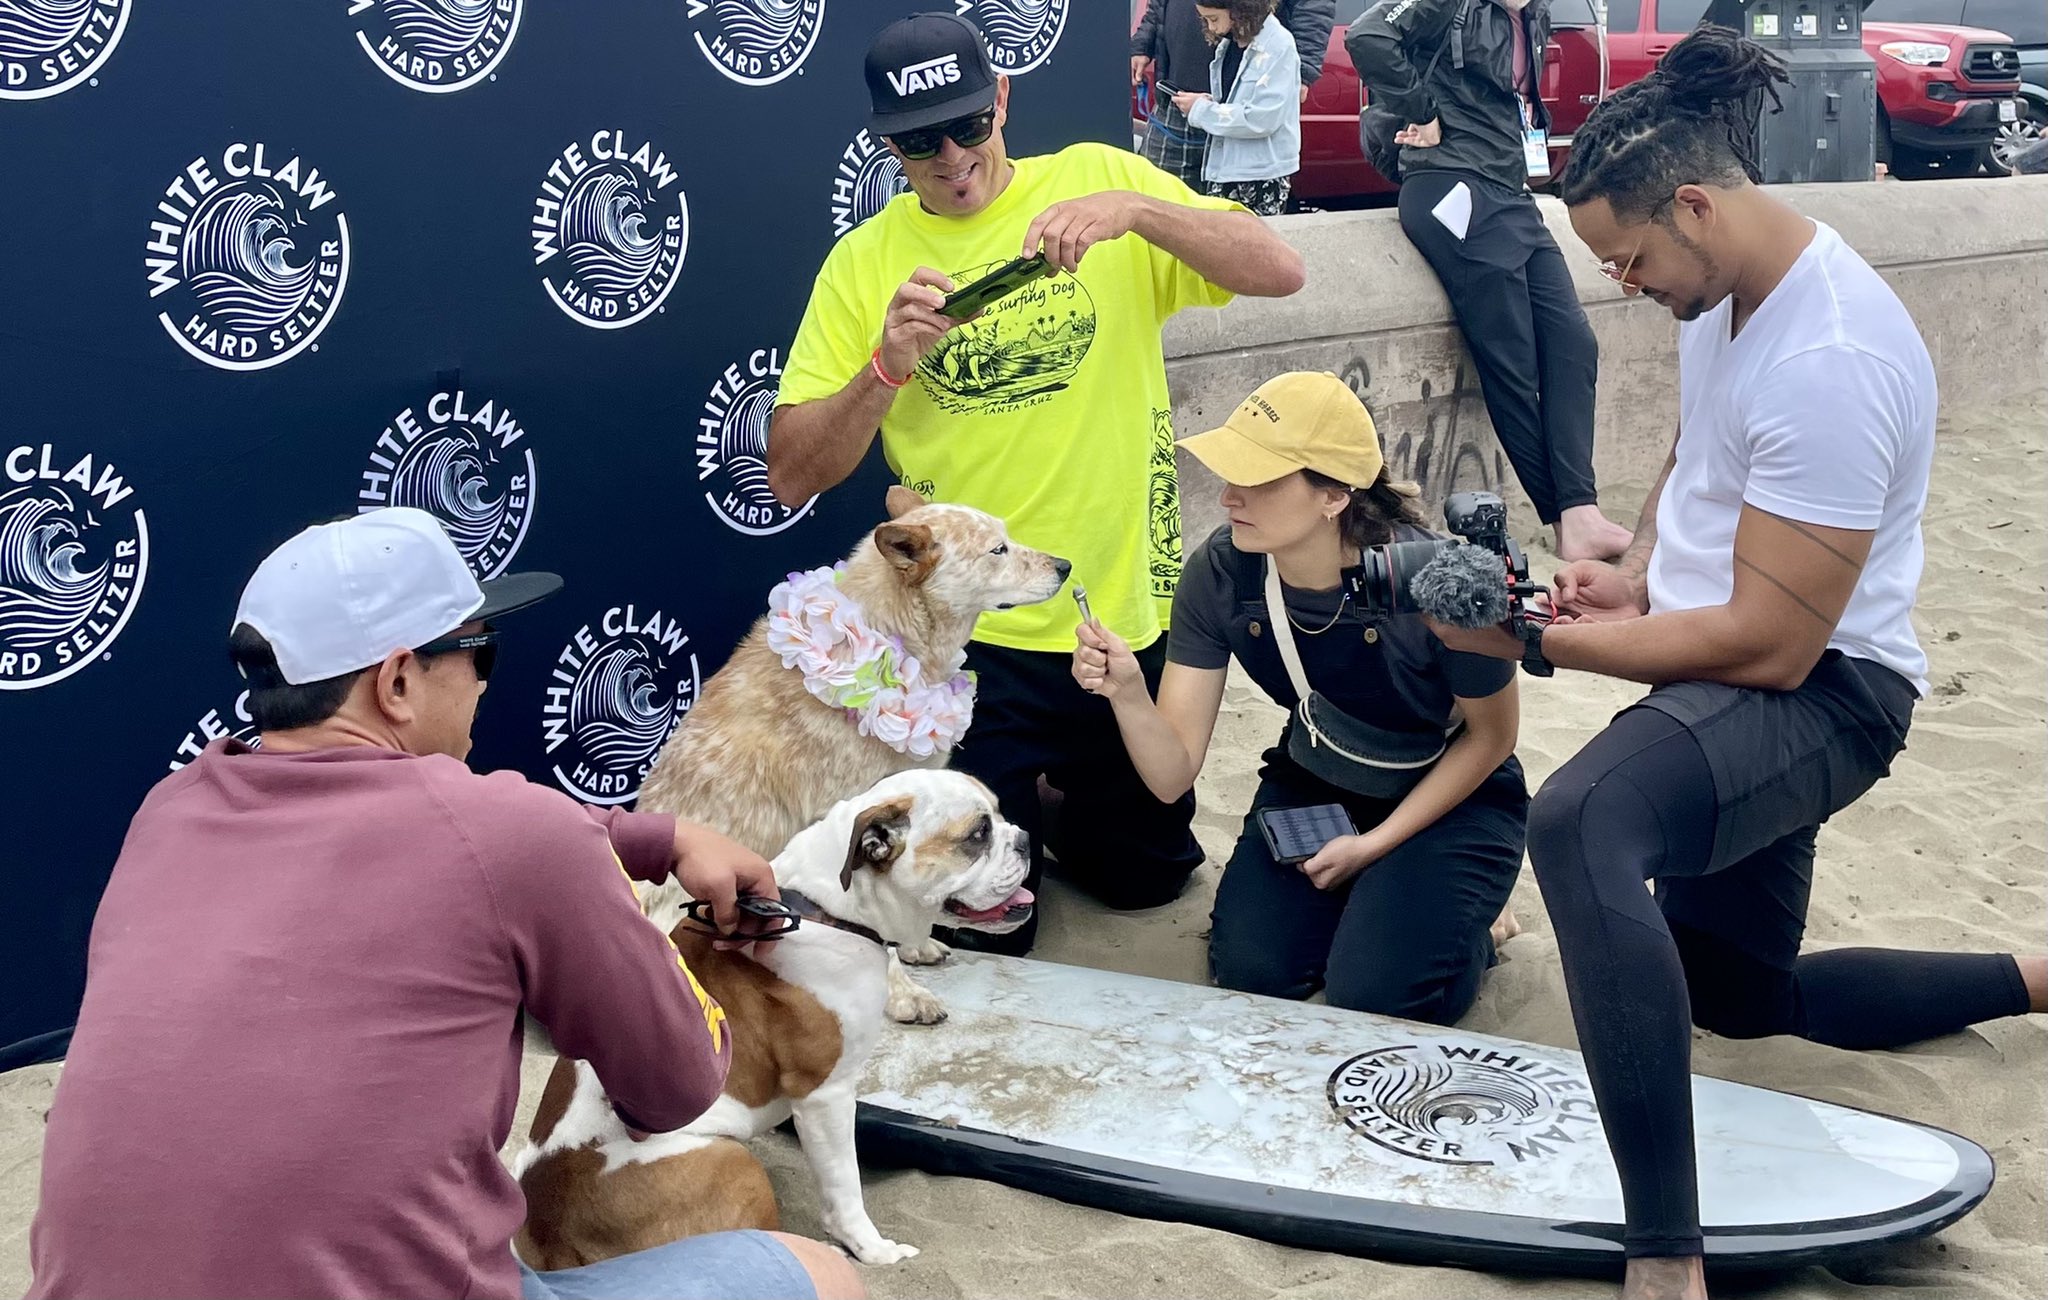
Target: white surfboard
[[1338, 1130]]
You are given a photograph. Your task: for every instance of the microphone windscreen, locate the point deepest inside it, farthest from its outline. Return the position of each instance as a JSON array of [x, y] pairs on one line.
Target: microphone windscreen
[[1464, 586]]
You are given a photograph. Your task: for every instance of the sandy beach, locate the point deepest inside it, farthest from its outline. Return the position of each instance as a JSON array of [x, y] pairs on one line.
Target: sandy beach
[[1947, 853]]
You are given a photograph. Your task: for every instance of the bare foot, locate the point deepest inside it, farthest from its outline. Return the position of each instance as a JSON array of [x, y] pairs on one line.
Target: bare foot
[[1583, 533], [1505, 927], [1678, 1278]]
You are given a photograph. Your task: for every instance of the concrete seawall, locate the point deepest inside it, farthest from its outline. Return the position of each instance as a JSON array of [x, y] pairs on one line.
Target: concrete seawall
[[1968, 257]]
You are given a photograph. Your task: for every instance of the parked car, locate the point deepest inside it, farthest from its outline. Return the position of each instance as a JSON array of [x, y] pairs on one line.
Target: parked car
[[1934, 117], [2026, 23]]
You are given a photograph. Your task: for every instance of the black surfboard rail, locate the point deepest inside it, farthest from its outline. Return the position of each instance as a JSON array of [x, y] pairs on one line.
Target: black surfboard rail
[[1402, 1233]]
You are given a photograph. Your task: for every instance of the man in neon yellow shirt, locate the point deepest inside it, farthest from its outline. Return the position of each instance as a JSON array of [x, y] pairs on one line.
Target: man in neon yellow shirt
[[1048, 409]]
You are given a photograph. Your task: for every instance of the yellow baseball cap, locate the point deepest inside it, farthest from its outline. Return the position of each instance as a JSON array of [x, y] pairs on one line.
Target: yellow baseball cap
[[1300, 420]]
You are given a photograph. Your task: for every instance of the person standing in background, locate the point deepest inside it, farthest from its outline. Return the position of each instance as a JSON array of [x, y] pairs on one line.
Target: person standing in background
[[1252, 110], [1170, 46]]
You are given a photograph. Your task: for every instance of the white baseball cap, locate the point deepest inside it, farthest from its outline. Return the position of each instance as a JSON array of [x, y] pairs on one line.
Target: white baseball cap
[[340, 597]]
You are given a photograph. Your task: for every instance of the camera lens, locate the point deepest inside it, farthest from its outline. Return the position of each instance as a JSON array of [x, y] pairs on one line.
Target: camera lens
[[1383, 587]]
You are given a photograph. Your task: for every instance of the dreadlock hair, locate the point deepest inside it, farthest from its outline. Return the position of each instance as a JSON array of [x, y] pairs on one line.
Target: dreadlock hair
[[1371, 512], [1690, 122], [1246, 16]]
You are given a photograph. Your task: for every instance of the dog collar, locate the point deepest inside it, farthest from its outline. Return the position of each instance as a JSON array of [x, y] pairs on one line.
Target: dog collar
[[810, 911], [817, 628]]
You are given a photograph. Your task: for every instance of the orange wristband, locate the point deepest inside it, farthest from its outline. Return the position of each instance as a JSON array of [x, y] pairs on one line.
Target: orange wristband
[[875, 363]]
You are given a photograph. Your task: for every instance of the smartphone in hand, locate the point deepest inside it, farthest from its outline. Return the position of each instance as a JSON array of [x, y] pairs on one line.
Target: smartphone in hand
[[995, 286]]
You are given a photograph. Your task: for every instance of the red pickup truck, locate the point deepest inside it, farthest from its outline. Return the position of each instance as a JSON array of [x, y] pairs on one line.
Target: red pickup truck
[[1936, 114]]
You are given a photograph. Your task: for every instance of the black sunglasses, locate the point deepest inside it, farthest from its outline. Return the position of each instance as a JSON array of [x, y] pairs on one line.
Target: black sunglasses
[[484, 643], [925, 142]]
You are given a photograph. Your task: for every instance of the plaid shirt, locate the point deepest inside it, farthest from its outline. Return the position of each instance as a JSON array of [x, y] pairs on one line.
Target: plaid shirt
[[1174, 145]]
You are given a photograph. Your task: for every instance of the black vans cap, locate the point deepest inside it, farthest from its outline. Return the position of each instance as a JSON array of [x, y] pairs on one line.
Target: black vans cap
[[927, 69]]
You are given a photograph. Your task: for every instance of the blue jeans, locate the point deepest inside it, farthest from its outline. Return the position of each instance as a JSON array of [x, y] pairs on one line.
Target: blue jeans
[[720, 1266]]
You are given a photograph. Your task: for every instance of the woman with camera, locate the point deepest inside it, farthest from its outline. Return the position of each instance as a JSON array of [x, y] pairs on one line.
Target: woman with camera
[[1410, 743]]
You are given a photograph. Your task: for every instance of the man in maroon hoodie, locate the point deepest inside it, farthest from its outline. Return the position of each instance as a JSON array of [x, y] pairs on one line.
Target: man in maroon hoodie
[[298, 1053]]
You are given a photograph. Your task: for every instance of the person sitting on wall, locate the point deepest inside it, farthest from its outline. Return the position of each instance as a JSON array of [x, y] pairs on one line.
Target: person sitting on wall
[[298, 1055], [1049, 409], [1395, 918], [1463, 77]]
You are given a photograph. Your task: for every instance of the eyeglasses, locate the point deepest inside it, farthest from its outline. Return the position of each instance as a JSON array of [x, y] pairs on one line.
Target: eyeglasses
[[925, 142], [1619, 274], [484, 643]]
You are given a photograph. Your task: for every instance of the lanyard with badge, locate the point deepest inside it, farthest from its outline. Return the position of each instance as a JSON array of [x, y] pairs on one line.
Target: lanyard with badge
[[1535, 143], [1535, 140]]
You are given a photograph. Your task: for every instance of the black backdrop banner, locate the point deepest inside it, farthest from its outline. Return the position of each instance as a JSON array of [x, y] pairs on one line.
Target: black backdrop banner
[[528, 264]]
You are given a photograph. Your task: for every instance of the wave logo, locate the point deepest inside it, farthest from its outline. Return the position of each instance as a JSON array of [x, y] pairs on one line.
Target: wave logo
[[612, 225], [249, 258], [1021, 34], [437, 46], [869, 176], [1461, 1104], [49, 46], [732, 447], [756, 42], [212, 726], [618, 689], [73, 559], [462, 464]]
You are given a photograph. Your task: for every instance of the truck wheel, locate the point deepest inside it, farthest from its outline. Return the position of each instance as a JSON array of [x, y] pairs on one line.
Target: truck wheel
[[1997, 157]]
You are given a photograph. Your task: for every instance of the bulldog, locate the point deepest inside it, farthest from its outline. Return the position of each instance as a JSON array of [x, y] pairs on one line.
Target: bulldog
[[805, 1011]]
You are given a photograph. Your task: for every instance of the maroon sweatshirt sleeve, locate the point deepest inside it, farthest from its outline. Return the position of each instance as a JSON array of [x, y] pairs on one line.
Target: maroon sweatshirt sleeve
[[645, 842], [610, 987]]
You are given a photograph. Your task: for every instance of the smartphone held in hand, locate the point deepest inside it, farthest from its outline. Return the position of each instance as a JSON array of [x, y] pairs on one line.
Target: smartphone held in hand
[[995, 286]]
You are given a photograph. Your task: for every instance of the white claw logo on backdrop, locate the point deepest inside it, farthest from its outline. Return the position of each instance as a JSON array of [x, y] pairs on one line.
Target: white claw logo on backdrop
[[1021, 34], [461, 465], [212, 726], [248, 256], [73, 556], [615, 693], [49, 46], [756, 42], [611, 225], [732, 447], [435, 45], [868, 177]]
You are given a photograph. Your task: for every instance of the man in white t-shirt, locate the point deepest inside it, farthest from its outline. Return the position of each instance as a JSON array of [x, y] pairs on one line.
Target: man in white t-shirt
[[1768, 598]]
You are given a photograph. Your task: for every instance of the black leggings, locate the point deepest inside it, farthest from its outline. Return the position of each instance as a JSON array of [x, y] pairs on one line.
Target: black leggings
[[1637, 804]]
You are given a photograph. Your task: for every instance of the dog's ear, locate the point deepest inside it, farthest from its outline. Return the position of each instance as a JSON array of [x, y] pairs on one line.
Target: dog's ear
[[900, 501], [911, 548], [880, 835]]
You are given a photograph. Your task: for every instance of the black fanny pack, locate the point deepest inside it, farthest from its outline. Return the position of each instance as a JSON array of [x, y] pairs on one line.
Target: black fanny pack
[[1329, 743]]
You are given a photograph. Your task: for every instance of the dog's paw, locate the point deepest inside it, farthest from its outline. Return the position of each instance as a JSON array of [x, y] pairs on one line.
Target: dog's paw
[[925, 952], [881, 1250], [911, 1005]]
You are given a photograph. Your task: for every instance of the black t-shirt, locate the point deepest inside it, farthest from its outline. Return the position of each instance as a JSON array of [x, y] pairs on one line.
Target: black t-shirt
[[1404, 680], [1233, 63]]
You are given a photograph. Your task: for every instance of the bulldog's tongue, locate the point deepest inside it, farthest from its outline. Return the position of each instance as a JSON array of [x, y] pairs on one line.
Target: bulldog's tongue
[[1022, 898]]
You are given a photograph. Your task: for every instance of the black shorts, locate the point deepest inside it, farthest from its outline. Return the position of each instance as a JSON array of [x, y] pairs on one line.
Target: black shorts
[[1783, 763]]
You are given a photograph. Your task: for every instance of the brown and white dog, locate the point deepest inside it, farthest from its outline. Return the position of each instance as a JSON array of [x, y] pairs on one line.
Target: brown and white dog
[[758, 757], [805, 1012]]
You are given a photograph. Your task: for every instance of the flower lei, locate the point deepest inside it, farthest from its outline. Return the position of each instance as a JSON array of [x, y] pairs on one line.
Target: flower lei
[[882, 687]]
